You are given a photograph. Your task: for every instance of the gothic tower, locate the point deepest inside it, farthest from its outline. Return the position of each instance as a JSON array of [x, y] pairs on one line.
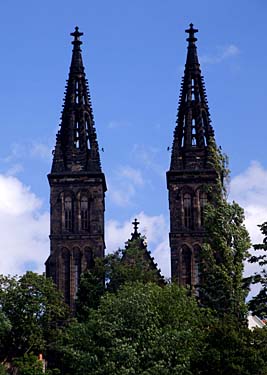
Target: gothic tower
[[191, 171], [77, 186]]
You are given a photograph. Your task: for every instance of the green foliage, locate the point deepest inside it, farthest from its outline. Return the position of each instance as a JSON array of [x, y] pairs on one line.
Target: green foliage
[[130, 265], [36, 312], [258, 304], [91, 289], [225, 249], [28, 364], [232, 349], [2, 370], [142, 329]]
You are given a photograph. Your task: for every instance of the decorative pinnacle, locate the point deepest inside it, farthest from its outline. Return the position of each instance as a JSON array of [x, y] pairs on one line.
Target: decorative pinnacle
[[135, 224], [76, 34], [191, 31]]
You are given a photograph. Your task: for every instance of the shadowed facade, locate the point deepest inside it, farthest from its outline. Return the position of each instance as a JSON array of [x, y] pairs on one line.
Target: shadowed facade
[[191, 171], [77, 186]]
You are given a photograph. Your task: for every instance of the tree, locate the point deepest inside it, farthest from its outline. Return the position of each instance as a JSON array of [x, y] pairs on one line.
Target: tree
[[258, 304], [225, 249], [91, 289], [130, 265], [141, 329], [36, 312], [232, 349]]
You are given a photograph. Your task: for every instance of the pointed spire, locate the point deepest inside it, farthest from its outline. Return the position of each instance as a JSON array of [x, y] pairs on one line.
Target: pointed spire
[[135, 233], [193, 131], [76, 146]]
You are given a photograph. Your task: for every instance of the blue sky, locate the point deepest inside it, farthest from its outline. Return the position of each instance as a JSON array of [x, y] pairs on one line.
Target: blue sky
[[134, 53]]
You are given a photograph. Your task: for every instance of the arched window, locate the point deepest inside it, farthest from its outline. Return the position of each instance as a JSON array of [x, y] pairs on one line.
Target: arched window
[[84, 213], [186, 270], [202, 204], [68, 213], [188, 211]]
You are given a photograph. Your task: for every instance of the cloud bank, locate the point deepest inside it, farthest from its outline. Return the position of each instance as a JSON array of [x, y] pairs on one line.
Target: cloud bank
[[24, 228]]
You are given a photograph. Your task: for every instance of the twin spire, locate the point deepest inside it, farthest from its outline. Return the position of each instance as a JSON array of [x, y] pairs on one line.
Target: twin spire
[[76, 146]]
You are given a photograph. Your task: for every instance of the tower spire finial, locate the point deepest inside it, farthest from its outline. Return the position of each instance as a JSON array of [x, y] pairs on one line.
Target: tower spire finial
[[191, 31], [76, 34], [135, 225]]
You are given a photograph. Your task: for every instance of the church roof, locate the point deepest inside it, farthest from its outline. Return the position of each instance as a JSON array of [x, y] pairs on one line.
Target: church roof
[[136, 247]]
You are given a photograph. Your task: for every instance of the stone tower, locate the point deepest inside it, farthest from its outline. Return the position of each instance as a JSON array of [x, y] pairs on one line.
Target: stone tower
[[191, 171], [77, 186]]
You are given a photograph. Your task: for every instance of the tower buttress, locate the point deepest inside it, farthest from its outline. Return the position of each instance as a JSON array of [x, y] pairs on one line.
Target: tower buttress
[[77, 186], [191, 171]]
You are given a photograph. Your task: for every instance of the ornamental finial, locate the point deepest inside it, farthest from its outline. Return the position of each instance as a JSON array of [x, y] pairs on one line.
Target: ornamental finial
[[191, 31], [76, 34], [135, 225]]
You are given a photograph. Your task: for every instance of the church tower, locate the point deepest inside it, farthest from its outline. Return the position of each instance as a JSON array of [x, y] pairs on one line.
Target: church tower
[[191, 171], [77, 186]]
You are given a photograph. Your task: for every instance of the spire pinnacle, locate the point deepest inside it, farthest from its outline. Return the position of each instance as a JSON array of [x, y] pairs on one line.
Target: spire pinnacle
[[76, 34], [193, 132], [77, 147], [191, 31], [135, 233]]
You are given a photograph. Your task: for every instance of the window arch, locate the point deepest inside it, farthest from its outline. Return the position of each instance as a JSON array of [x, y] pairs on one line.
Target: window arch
[[188, 210], [84, 213], [186, 269], [202, 203], [68, 213]]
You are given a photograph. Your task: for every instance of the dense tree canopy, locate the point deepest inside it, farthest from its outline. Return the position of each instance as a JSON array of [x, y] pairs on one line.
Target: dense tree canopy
[[142, 329], [33, 312]]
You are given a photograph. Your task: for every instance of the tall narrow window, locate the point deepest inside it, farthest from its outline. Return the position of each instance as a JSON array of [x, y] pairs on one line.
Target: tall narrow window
[[186, 266], [188, 211], [77, 274], [68, 213], [202, 204], [84, 213], [77, 135]]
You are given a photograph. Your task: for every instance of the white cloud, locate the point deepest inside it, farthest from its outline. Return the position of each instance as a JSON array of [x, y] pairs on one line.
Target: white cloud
[[24, 228], [123, 185], [33, 149], [155, 229], [222, 53], [41, 150], [132, 174], [249, 189], [148, 156]]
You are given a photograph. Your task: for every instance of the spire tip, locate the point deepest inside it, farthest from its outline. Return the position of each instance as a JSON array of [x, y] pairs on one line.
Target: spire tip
[[76, 34], [191, 31]]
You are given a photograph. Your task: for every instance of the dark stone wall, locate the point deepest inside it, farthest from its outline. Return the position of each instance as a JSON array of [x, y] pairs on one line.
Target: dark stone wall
[[186, 240], [73, 250]]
